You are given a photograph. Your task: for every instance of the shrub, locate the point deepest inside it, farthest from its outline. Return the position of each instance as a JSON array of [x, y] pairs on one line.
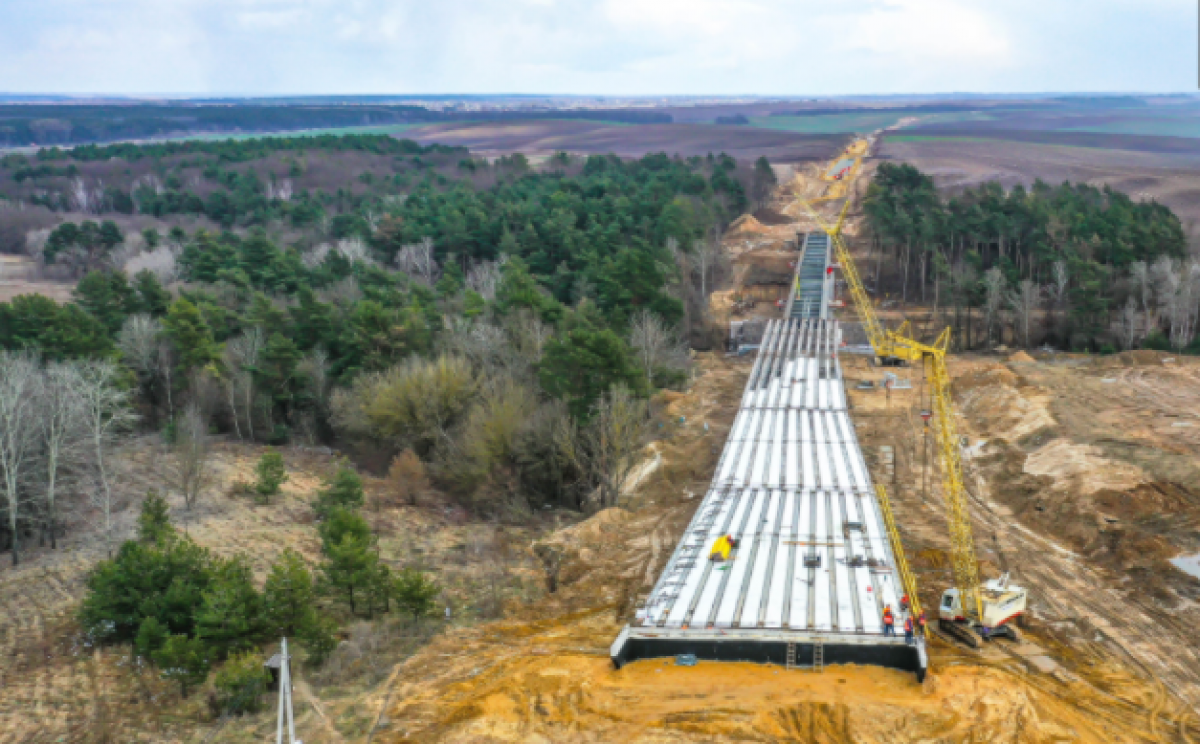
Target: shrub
[[280, 435], [415, 593], [319, 638], [241, 683], [271, 474], [1156, 341], [339, 522], [409, 405], [490, 434], [407, 478], [184, 660]]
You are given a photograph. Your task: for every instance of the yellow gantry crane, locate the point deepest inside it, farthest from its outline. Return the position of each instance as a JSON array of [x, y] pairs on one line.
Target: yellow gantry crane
[[988, 605]]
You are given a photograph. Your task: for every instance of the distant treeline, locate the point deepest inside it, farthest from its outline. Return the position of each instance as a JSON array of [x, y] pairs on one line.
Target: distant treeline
[[232, 182], [47, 124], [242, 150], [68, 125], [1053, 262]]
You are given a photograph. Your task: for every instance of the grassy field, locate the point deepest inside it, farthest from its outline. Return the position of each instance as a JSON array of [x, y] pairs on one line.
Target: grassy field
[[1157, 126]]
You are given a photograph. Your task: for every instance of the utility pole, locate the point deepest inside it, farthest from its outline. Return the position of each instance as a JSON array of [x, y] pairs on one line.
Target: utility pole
[[285, 698]]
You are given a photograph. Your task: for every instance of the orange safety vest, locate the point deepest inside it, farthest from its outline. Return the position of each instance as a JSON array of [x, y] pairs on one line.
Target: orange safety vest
[[908, 625], [887, 618]]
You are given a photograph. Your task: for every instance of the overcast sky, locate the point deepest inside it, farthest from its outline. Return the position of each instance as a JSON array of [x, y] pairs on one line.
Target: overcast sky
[[629, 47]]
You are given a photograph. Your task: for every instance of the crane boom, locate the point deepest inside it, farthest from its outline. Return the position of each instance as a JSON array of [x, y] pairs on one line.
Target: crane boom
[[897, 345], [888, 345]]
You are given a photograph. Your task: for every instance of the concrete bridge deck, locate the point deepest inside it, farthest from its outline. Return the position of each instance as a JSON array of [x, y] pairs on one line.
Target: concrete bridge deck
[[813, 567]]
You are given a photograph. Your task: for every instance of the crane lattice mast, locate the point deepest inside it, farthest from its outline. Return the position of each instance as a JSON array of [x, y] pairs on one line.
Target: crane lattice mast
[[897, 345]]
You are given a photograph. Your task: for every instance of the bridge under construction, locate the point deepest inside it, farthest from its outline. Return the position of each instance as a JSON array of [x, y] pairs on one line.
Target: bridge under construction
[[812, 568]]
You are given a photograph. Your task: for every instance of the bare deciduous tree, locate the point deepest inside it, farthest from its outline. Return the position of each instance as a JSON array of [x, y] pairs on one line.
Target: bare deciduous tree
[[1127, 324], [1177, 287], [241, 356], [314, 369], [60, 424], [345, 292], [138, 342], [993, 282], [1057, 291], [147, 354], [614, 441], [529, 334], [19, 375], [485, 345], [657, 346], [191, 464], [707, 258], [161, 262], [1140, 275], [418, 261], [484, 277], [1024, 301], [105, 404], [355, 250]]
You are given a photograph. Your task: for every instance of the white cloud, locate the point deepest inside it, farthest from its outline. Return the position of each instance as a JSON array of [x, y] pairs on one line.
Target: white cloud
[[938, 31], [785, 47]]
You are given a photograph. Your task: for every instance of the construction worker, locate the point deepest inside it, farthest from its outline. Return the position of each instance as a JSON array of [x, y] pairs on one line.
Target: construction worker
[[921, 622], [908, 630], [889, 622], [904, 603]]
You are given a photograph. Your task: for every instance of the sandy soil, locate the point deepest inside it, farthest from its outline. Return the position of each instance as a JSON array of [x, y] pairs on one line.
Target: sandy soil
[[1084, 511], [1082, 515], [1081, 675]]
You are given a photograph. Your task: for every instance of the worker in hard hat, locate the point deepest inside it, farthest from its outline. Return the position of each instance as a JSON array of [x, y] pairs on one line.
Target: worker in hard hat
[[904, 603], [889, 621], [908, 630]]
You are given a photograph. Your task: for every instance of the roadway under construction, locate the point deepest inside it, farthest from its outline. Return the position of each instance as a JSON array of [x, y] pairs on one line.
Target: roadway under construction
[[813, 567]]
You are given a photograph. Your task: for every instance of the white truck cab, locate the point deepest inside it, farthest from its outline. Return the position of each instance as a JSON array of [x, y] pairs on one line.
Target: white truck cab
[[1002, 602]]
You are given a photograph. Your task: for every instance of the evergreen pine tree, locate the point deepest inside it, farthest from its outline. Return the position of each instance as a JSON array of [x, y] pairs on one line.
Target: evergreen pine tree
[[344, 489], [230, 615], [191, 336], [154, 521], [288, 596], [271, 474], [153, 298]]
